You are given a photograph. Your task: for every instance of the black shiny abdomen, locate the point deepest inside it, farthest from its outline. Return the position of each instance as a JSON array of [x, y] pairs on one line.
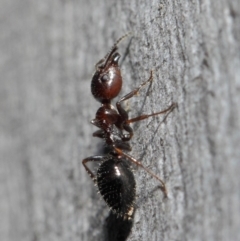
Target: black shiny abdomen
[[117, 186]]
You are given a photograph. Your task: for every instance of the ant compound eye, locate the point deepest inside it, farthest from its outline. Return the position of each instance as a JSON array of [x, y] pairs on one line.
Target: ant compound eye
[[105, 78], [115, 58]]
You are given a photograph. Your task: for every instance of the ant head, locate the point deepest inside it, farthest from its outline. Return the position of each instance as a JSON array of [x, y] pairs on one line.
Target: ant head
[[107, 80]]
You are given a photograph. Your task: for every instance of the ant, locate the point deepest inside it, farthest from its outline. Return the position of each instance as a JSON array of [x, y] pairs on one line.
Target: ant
[[114, 177]]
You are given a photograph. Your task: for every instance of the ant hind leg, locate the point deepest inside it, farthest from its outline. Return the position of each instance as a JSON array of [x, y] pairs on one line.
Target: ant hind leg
[[133, 160]]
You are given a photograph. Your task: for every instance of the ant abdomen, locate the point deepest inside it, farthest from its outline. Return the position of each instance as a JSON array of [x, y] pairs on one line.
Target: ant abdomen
[[116, 184]]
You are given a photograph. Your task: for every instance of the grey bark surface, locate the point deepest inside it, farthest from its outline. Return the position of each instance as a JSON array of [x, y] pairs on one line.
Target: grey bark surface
[[48, 53]]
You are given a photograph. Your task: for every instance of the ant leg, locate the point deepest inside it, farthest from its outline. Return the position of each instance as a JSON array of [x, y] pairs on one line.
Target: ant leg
[[121, 111], [122, 145], [132, 159], [89, 159], [142, 117]]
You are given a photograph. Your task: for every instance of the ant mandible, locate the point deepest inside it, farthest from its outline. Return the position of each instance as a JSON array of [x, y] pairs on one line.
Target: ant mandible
[[114, 177]]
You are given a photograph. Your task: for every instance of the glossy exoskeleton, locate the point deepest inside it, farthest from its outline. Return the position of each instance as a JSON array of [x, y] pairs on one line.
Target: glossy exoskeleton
[[114, 178]]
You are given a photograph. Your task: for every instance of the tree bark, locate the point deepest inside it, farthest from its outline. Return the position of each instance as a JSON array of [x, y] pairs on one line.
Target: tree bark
[[48, 53]]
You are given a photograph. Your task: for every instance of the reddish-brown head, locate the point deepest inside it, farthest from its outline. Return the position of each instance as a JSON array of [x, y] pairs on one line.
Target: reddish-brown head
[[107, 80]]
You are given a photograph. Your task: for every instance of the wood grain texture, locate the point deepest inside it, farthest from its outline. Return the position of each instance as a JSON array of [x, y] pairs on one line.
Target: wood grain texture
[[48, 53]]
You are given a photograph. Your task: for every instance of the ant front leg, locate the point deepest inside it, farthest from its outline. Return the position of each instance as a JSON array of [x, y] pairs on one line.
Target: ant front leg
[[90, 159], [123, 113]]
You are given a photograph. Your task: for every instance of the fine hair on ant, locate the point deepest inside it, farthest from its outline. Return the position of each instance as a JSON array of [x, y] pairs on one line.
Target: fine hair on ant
[[114, 177]]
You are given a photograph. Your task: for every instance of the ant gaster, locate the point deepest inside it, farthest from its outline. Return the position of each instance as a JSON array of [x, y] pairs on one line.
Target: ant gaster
[[114, 177]]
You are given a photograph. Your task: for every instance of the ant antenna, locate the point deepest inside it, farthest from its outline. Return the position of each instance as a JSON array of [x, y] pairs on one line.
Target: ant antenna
[[114, 48]]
